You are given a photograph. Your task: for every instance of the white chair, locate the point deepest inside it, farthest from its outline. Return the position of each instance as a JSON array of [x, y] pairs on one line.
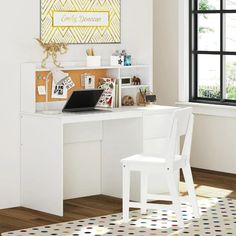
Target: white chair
[[181, 124]]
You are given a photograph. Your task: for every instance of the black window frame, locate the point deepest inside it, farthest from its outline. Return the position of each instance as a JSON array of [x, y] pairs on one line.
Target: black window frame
[[194, 52]]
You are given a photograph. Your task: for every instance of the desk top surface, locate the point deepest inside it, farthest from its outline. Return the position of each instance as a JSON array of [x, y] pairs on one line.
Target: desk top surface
[[105, 114]]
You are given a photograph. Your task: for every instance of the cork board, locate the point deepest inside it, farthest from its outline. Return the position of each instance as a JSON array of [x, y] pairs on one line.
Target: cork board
[[75, 76]]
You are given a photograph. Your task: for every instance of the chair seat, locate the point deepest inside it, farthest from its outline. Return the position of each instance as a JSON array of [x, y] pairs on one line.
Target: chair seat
[[142, 160]]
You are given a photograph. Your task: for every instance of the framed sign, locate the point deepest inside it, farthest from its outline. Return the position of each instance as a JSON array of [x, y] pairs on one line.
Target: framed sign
[[80, 21]]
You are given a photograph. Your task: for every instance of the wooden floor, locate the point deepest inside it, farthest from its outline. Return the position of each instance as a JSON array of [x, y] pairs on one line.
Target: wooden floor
[[208, 184]]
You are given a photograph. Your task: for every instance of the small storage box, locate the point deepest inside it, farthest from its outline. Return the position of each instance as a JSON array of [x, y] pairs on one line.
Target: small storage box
[[93, 61], [117, 61]]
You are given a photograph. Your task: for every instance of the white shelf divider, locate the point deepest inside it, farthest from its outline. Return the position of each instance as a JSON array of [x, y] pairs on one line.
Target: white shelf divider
[[93, 68], [134, 86]]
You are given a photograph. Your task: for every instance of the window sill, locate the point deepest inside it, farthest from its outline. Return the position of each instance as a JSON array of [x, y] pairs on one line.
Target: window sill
[[209, 109]]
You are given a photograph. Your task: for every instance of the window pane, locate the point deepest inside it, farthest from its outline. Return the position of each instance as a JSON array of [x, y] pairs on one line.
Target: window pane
[[230, 74], [230, 32], [204, 5], [209, 76], [230, 4], [209, 32]]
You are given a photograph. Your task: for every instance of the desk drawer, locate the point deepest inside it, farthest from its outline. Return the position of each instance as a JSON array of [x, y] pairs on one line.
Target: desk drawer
[[82, 132], [155, 126]]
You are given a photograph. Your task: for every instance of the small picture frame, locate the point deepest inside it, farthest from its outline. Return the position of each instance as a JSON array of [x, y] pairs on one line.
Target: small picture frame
[[126, 81], [88, 81], [59, 91]]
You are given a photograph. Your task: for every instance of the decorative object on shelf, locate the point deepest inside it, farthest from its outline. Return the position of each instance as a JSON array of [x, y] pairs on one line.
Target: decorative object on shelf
[[125, 81], [127, 101], [136, 81], [120, 58], [140, 98], [52, 50], [58, 77], [145, 97], [151, 98], [80, 21], [127, 58], [128, 61], [108, 97], [88, 81], [117, 59]]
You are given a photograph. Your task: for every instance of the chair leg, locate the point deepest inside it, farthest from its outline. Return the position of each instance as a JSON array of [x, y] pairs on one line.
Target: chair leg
[[191, 191], [126, 193], [175, 197], [143, 191]]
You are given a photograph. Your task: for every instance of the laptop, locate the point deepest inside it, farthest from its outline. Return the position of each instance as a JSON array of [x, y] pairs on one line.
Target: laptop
[[83, 100]]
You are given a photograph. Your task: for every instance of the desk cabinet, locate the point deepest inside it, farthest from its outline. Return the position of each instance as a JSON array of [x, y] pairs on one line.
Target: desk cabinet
[[42, 164], [82, 159], [76, 155]]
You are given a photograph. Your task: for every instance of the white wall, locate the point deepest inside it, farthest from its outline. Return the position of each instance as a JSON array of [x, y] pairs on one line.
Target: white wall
[[214, 137], [20, 24], [166, 50], [214, 143]]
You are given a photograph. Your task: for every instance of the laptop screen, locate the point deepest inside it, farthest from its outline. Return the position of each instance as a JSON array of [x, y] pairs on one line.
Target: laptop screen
[[83, 100]]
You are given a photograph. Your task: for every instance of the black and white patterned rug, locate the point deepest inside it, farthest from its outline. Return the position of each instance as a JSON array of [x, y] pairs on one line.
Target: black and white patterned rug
[[218, 218]]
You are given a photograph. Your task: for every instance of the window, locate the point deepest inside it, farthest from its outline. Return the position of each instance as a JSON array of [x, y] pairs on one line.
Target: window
[[213, 51]]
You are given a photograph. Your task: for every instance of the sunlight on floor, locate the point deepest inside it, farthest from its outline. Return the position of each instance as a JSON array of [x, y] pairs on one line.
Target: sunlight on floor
[[204, 191]]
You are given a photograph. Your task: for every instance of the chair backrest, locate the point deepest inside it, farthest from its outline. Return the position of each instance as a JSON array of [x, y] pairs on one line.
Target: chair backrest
[[182, 125]]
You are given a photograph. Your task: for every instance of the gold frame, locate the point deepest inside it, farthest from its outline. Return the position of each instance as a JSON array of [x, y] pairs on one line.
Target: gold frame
[[81, 34]]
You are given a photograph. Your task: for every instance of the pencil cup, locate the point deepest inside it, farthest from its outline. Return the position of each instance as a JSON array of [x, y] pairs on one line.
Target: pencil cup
[[93, 61]]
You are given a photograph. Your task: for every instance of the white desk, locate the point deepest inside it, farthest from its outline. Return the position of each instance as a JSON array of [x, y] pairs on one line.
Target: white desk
[[74, 155]]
